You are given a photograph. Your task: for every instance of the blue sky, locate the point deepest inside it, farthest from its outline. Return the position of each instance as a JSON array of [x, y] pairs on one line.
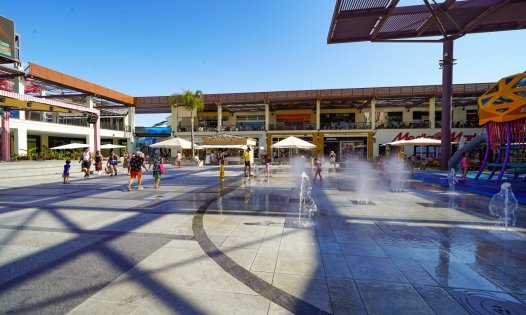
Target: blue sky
[[160, 47]]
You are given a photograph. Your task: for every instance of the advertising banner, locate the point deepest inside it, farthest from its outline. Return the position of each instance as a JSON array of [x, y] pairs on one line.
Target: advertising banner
[[7, 38]]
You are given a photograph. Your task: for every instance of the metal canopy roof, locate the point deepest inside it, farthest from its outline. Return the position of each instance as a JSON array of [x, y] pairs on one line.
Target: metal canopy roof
[[382, 20]]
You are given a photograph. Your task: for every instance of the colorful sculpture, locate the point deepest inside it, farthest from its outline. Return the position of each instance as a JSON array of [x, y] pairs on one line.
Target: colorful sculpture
[[502, 110]]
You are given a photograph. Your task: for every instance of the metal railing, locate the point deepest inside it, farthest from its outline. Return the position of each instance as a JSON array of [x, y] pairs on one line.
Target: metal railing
[[345, 126], [401, 124], [292, 126], [114, 126]]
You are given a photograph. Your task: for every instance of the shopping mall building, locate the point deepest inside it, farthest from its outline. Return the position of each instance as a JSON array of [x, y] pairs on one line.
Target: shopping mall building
[[357, 120]]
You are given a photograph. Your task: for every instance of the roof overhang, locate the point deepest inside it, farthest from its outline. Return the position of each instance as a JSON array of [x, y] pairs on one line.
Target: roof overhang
[[28, 102], [383, 20], [70, 82]]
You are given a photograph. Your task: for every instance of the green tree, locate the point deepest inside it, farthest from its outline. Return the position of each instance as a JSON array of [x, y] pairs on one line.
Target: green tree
[[192, 101]]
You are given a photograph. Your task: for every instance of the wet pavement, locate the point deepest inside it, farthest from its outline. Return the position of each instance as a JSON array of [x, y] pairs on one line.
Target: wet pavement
[[198, 246]]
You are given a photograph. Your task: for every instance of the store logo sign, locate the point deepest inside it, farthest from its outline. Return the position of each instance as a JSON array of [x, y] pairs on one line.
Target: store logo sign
[[455, 136]]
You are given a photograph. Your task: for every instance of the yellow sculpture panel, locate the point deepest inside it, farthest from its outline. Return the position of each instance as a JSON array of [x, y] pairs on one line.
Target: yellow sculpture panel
[[505, 101]]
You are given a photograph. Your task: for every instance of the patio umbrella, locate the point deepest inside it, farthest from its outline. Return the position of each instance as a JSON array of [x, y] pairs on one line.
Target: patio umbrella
[[70, 146], [112, 146], [397, 143], [292, 143], [423, 142], [173, 143]]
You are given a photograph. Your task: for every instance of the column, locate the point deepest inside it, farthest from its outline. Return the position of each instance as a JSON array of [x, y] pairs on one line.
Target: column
[[373, 114], [174, 119], [432, 119], [20, 136], [219, 117], [6, 137], [131, 124], [318, 125], [20, 141], [447, 88], [93, 137], [267, 116]]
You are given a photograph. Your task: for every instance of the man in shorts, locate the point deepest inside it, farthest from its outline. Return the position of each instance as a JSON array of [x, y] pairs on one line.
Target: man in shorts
[[136, 165], [86, 162], [247, 162]]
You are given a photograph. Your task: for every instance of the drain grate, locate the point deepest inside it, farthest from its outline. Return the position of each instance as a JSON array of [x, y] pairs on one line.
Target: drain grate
[[361, 203], [480, 302]]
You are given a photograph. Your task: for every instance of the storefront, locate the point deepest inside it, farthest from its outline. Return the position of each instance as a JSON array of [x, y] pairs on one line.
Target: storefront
[[345, 147], [384, 136]]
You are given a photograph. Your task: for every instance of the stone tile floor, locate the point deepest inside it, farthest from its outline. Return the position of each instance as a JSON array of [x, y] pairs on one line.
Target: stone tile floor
[[199, 247]]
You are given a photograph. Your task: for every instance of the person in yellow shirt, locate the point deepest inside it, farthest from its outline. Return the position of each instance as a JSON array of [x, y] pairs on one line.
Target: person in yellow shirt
[[247, 162]]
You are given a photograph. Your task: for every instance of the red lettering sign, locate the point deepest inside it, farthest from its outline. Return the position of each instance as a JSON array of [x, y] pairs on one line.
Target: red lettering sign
[[455, 137]]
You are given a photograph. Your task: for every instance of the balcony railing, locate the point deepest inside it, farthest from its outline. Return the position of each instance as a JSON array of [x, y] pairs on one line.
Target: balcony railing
[[114, 126], [401, 125], [292, 126], [345, 126]]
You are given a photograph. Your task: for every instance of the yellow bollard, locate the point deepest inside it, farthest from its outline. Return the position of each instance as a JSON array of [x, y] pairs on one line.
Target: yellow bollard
[[221, 172]]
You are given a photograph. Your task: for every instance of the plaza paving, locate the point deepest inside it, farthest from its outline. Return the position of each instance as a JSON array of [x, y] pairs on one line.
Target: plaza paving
[[197, 246]]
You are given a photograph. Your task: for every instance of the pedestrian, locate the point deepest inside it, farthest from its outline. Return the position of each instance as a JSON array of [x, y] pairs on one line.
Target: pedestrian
[[247, 162], [464, 163], [332, 159], [86, 162], [317, 164], [136, 166], [65, 173], [178, 159], [157, 162], [126, 162], [98, 162], [267, 166], [113, 160]]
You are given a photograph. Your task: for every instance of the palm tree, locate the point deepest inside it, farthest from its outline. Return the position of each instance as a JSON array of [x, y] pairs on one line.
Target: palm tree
[[192, 101]]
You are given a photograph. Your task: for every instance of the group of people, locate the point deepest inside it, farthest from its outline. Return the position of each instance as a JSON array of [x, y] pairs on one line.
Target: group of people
[[133, 164]]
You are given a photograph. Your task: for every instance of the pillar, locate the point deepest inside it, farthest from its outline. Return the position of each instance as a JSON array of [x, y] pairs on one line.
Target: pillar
[[93, 138], [219, 117], [373, 114], [44, 142], [20, 147], [130, 119], [20, 137], [6, 137], [370, 145], [432, 106], [318, 124], [447, 87], [267, 116]]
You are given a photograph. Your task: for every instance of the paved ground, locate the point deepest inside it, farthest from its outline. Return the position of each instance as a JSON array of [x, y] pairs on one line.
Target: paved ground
[[196, 246]]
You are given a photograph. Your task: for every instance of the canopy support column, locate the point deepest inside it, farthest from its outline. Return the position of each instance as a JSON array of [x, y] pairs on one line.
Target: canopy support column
[[447, 87], [432, 108], [267, 116], [219, 117], [6, 137], [373, 114], [318, 125]]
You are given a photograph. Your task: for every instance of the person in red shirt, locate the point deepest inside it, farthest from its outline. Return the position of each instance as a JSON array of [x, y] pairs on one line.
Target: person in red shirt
[[136, 165]]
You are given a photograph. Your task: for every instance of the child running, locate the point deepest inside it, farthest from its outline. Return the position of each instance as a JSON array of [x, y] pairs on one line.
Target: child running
[[464, 162], [65, 173], [317, 163]]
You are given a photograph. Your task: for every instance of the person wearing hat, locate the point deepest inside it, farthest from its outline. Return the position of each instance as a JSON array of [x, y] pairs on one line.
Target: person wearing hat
[[136, 165]]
